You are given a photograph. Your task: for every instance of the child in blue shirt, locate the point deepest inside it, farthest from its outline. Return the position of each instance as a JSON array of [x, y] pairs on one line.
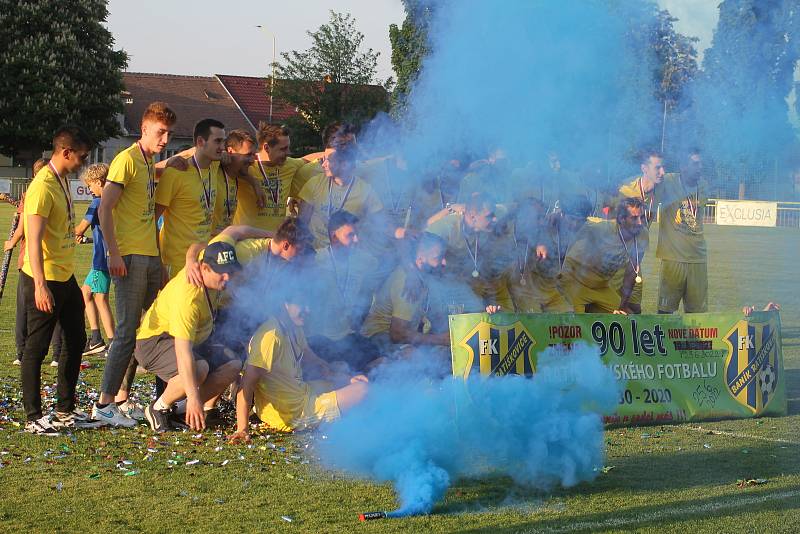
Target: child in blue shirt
[[98, 281]]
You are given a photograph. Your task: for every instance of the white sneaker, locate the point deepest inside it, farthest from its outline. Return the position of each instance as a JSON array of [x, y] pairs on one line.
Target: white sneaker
[[54, 363], [131, 410], [41, 427], [17, 361], [110, 415]]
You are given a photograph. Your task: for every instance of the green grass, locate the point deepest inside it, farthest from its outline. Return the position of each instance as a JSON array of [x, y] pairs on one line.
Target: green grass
[[680, 477]]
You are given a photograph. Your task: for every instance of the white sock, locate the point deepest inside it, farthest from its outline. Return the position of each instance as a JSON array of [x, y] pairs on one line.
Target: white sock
[[161, 405]]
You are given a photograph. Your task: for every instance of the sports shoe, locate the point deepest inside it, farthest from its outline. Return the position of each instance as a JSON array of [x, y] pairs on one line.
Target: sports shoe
[[54, 363], [41, 427], [94, 348], [110, 415], [131, 410], [16, 361], [74, 419], [158, 419]]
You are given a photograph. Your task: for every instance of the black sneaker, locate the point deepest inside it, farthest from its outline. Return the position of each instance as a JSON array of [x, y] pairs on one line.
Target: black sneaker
[[94, 348], [158, 419]]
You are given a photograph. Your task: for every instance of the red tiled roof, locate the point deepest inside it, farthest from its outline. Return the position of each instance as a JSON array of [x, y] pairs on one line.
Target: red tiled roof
[[251, 94], [193, 98]]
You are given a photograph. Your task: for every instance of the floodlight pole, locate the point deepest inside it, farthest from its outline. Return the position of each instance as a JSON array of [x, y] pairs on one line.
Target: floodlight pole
[[272, 77]]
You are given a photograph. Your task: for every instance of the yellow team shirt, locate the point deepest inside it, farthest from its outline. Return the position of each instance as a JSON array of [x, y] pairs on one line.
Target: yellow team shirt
[[225, 204], [189, 200], [304, 174], [277, 184], [281, 397], [181, 310], [680, 229], [389, 302], [134, 214], [45, 197], [490, 257], [246, 249], [326, 197], [348, 280], [598, 253]]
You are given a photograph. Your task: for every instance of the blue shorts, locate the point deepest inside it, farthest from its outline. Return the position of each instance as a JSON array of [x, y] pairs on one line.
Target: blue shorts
[[98, 281]]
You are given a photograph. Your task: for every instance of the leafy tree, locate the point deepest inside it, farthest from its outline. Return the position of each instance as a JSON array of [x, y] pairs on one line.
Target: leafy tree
[[409, 47], [334, 80], [58, 65], [749, 71]]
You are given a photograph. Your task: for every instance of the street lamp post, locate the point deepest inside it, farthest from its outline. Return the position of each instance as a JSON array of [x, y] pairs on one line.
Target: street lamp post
[[272, 78]]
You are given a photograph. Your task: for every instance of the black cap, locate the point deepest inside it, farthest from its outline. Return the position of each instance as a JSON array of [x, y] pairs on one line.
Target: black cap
[[221, 257]]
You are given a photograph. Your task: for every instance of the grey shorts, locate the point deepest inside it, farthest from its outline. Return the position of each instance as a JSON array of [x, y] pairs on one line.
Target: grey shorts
[[157, 355]]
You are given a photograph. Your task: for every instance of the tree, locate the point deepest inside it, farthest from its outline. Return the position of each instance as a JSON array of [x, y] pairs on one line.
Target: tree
[[334, 80], [749, 71], [58, 66], [409, 48]]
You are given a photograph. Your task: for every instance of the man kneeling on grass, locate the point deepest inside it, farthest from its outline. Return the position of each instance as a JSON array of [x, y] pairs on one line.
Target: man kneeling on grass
[[279, 366], [181, 318]]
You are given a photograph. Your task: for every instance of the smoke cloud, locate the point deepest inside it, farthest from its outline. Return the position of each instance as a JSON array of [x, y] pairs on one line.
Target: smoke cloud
[[422, 434]]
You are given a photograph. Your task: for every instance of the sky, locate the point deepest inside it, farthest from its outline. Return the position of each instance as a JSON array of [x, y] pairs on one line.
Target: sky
[[199, 38]]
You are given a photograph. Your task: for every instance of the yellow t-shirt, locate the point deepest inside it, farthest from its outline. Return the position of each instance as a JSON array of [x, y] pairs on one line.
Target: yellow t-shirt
[[304, 174], [492, 256], [225, 204], [134, 221], [390, 302], [281, 396], [180, 310], [326, 197], [46, 198], [680, 229], [189, 200], [348, 281], [277, 184], [598, 253]]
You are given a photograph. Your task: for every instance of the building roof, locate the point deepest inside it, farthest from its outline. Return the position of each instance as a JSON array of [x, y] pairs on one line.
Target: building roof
[[252, 95], [193, 98]]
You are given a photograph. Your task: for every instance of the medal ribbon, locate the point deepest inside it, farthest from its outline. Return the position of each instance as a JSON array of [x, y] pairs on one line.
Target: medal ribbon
[[206, 191], [636, 267], [151, 182], [67, 195]]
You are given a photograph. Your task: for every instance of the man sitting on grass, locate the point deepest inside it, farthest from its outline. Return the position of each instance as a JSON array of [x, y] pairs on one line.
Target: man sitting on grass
[[279, 366]]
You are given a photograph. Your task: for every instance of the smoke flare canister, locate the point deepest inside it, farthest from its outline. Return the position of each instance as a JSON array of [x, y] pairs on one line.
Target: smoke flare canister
[[369, 516]]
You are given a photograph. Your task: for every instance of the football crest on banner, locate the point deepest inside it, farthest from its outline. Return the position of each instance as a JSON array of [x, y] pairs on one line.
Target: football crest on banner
[[752, 366], [499, 350]]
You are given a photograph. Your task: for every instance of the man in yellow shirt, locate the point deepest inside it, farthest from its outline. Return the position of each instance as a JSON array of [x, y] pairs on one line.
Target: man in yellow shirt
[[643, 188], [681, 242], [348, 278], [50, 292], [181, 318], [479, 248], [129, 228], [534, 281], [337, 189], [187, 198], [240, 147], [600, 250], [275, 171], [291, 387]]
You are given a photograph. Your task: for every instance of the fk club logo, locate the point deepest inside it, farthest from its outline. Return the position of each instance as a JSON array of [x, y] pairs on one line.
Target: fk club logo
[[499, 350], [751, 368]]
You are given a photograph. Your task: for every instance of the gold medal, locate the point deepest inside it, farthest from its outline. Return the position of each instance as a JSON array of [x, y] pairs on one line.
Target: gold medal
[[522, 281], [475, 273], [638, 279]]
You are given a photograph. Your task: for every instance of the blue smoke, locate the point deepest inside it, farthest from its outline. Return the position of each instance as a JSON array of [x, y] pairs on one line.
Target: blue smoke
[[421, 434]]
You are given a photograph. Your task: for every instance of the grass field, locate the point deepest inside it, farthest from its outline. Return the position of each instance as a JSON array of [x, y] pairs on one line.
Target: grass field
[[663, 477]]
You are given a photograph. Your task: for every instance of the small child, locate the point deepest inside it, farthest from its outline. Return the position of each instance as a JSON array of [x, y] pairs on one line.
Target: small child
[[95, 287]]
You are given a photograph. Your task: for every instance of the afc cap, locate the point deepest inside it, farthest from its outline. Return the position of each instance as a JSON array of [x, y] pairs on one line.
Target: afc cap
[[221, 257]]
